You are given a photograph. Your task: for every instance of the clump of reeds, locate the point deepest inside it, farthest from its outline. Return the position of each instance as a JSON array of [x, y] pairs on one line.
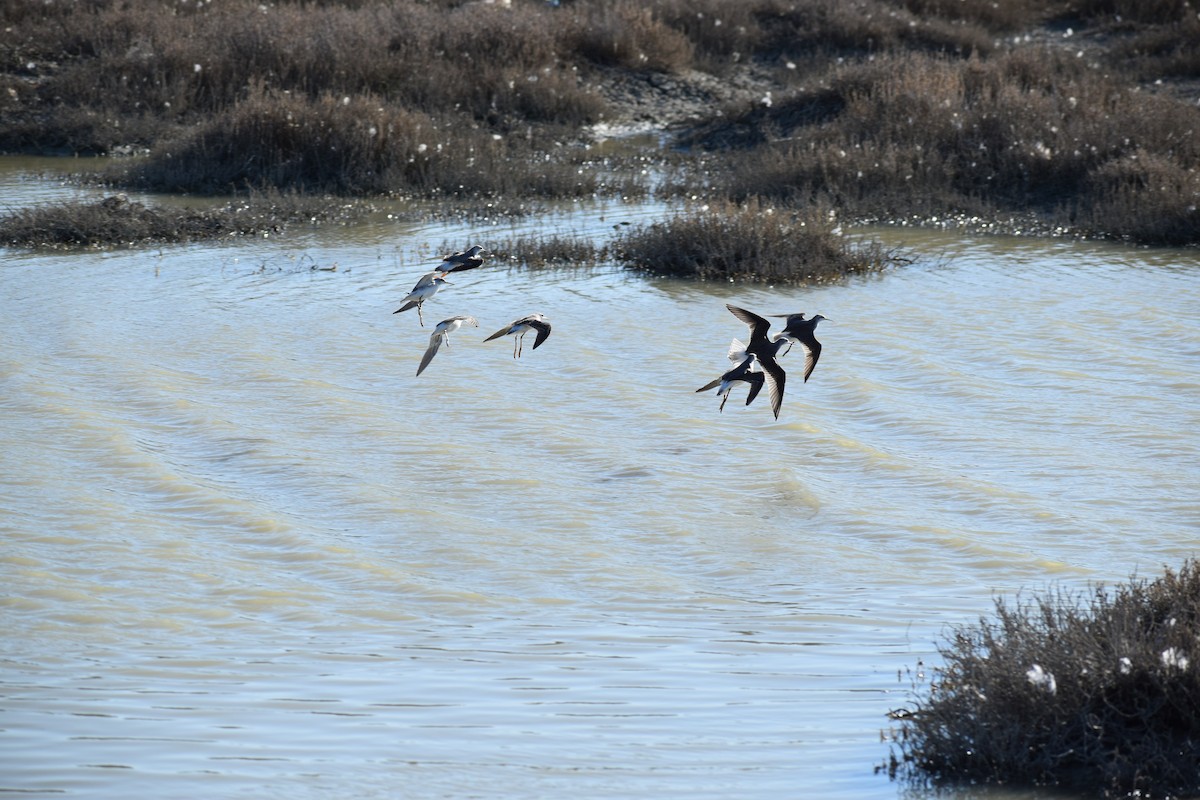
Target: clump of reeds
[[747, 242], [1099, 697], [117, 220]]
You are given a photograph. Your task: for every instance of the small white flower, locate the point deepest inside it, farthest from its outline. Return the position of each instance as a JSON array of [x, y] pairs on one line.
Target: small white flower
[[1126, 665], [1039, 677], [196, 68], [1173, 657]]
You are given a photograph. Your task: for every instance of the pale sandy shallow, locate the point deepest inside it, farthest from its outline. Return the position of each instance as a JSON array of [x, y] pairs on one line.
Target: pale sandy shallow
[[247, 553]]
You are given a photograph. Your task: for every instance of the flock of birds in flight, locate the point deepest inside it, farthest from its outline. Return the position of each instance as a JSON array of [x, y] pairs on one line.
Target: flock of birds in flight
[[755, 362]]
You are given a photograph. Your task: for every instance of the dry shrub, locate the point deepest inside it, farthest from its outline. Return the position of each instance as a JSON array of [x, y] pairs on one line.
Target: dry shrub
[[1098, 698], [340, 145], [351, 146], [630, 35], [182, 62], [720, 32], [915, 134], [1010, 15], [1160, 52], [1155, 12], [1143, 197], [116, 220], [823, 28], [555, 251], [749, 242]]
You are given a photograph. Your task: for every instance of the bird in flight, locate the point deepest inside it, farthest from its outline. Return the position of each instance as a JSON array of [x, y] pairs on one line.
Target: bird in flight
[[746, 369], [441, 336], [522, 326], [425, 288], [764, 348], [462, 260], [799, 329]]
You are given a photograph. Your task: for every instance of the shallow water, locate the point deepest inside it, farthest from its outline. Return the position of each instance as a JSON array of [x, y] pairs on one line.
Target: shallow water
[[247, 553]]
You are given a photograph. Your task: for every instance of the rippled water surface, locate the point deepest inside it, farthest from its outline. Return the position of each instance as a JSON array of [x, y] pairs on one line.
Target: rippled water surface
[[247, 553]]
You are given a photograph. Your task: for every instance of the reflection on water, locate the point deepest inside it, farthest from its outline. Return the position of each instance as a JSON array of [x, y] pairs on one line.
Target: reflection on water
[[248, 552]]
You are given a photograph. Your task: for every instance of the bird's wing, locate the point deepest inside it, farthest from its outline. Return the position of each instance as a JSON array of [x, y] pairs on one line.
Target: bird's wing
[[460, 265], [406, 306], [755, 379], [503, 331], [737, 350], [758, 325], [435, 341], [792, 319], [425, 280], [775, 378], [812, 351], [462, 319], [543, 330], [744, 367]]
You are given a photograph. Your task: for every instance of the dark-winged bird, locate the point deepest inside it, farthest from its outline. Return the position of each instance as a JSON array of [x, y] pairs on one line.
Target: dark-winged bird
[[522, 326], [799, 329], [746, 369], [463, 259], [764, 349]]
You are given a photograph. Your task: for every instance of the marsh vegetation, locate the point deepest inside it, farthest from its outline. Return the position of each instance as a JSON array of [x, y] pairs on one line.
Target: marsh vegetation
[[1076, 118], [1095, 694]]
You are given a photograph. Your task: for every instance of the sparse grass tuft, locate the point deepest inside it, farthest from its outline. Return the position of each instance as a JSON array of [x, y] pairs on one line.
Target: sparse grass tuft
[[1097, 697]]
